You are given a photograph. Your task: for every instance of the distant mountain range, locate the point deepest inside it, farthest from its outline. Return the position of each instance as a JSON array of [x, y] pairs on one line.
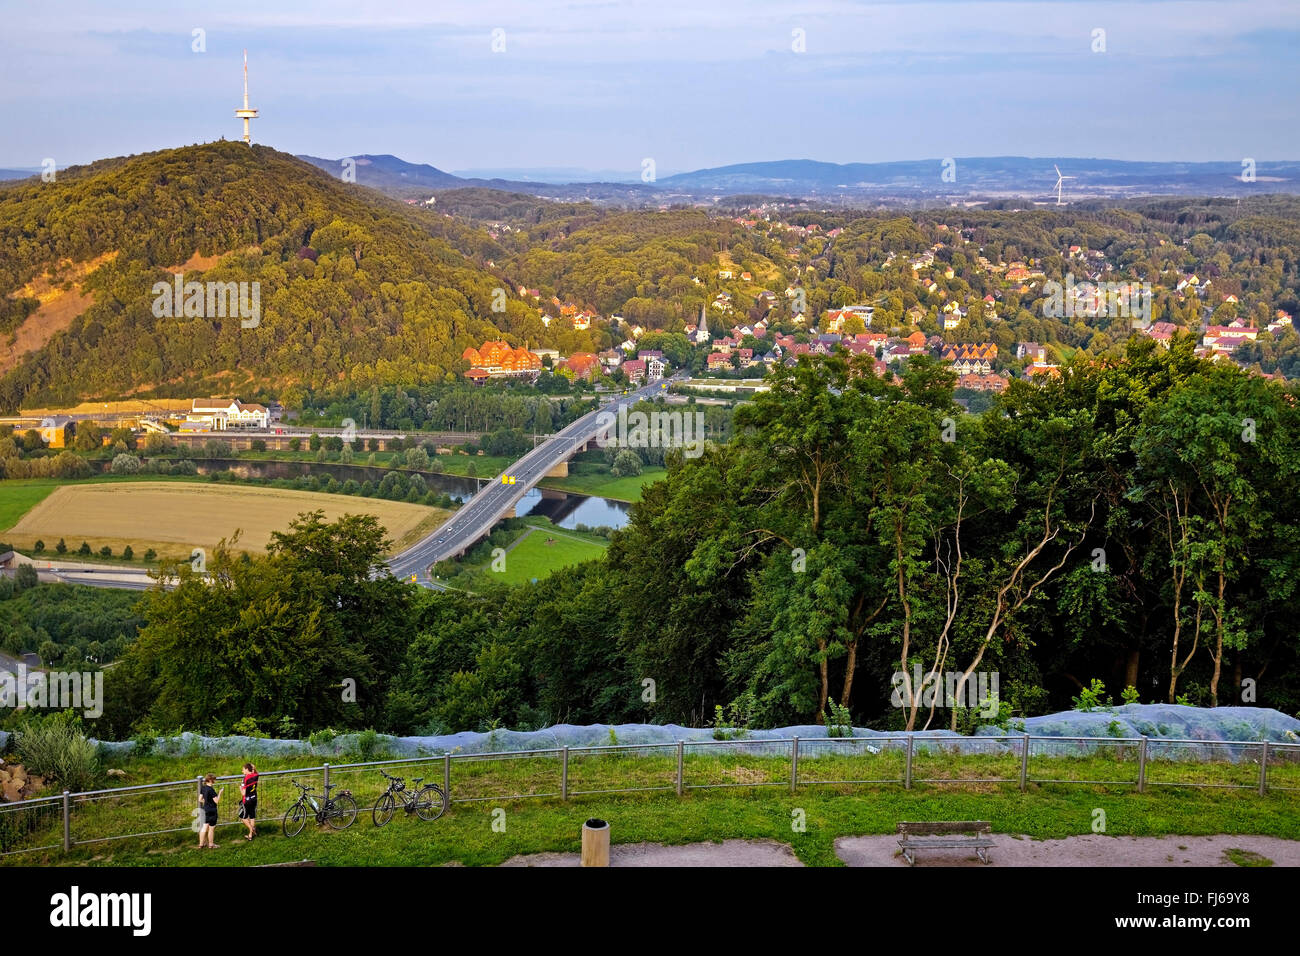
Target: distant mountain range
[[414, 180], [992, 177], [912, 181]]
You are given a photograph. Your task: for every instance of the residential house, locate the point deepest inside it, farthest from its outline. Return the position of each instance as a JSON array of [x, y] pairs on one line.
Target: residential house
[[975, 358], [1044, 369], [983, 383], [1032, 351], [634, 369], [580, 364], [1162, 332], [655, 364]]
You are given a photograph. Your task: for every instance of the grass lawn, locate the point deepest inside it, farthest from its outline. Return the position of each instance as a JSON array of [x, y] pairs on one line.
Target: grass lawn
[[528, 556], [547, 823], [603, 484], [174, 516], [533, 557], [19, 496]]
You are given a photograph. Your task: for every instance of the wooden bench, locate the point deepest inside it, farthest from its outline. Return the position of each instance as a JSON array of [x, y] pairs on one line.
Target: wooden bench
[[968, 835]]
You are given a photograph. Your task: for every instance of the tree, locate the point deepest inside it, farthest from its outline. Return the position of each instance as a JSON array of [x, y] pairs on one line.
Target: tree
[[61, 547], [125, 465], [274, 636], [626, 464]]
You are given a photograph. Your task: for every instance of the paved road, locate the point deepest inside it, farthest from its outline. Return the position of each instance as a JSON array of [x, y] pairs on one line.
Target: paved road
[[475, 519], [125, 579]]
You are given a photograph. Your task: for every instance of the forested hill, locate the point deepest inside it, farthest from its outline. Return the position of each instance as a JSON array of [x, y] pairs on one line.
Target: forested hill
[[355, 289]]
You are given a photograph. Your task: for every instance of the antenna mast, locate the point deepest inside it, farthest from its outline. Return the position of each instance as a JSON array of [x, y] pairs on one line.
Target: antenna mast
[[246, 113]]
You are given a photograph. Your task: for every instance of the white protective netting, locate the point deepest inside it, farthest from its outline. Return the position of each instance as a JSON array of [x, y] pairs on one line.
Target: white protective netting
[[1209, 727]]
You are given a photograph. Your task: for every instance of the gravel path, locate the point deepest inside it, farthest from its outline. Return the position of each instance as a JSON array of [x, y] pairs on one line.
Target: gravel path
[[726, 853], [881, 850], [1092, 849]]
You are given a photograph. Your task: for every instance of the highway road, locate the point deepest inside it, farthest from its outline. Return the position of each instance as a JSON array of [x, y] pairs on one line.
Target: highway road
[[126, 579], [475, 519]]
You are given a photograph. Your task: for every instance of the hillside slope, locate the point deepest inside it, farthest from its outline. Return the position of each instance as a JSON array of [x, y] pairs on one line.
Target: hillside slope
[[354, 289]]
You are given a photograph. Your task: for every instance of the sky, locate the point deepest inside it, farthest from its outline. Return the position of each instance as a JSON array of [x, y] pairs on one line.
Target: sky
[[595, 84]]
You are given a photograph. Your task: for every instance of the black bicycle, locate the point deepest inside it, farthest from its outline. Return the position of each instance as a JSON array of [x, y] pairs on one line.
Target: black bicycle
[[339, 811], [427, 802]]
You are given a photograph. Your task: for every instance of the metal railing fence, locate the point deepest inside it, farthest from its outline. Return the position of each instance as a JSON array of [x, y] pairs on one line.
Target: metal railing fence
[[67, 820]]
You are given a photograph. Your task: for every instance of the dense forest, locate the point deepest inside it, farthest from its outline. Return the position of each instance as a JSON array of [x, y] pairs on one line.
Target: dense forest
[[1132, 522], [354, 289]]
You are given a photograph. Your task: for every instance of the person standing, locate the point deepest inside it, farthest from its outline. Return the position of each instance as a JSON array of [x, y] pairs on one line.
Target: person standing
[[209, 797], [248, 800]]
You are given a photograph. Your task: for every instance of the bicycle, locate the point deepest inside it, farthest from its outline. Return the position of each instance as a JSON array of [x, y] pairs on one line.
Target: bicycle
[[340, 812], [427, 802]]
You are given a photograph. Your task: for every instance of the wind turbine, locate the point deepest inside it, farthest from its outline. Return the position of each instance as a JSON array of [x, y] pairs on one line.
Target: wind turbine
[[1059, 179]]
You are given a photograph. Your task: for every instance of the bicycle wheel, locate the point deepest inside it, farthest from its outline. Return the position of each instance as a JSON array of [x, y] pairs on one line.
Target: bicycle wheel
[[342, 812], [295, 818], [383, 811], [430, 803]]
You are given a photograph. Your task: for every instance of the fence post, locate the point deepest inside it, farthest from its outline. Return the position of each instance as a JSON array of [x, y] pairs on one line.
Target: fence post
[[446, 777], [1142, 765], [327, 779], [1024, 762], [680, 747], [67, 821], [1263, 767], [907, 772], [794, 765], [564, 773]]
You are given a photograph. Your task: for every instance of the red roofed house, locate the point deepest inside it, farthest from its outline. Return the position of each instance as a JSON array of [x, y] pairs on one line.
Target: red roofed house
[[635, 370], [581, 364], [499, 359]]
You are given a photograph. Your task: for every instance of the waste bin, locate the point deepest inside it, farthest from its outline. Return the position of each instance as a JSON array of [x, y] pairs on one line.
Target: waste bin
[[595, 843]]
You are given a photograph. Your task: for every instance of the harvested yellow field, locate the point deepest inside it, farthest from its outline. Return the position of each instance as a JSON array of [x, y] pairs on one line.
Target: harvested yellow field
[[175, 518]]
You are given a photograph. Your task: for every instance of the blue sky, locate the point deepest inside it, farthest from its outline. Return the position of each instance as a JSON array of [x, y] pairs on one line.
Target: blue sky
[[689, 83]]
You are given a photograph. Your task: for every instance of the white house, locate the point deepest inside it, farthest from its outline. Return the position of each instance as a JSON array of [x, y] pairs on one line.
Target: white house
[[220, 414]]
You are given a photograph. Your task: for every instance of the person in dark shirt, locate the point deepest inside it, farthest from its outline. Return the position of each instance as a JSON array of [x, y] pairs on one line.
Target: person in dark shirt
[[248, 800], [209, 797]]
